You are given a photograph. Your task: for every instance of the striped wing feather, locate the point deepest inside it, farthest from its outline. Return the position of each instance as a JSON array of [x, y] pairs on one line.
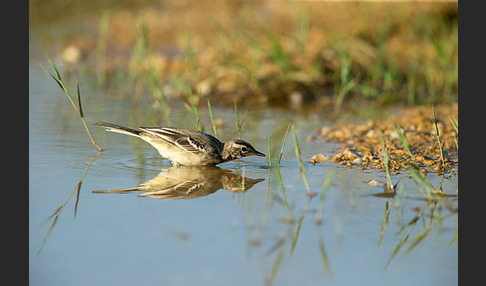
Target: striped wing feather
[[177, 138]]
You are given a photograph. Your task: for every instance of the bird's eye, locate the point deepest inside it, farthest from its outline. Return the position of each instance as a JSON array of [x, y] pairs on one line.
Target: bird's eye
[[244, 149]]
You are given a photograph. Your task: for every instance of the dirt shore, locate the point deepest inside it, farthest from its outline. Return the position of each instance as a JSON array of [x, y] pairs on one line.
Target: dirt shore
[[361, 144]]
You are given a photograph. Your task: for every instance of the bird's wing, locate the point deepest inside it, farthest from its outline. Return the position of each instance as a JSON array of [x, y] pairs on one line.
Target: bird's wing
[[183, 190], [176, 137]]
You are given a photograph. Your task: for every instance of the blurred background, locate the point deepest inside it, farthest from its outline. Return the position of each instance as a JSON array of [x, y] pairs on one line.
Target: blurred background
[[319, 54]]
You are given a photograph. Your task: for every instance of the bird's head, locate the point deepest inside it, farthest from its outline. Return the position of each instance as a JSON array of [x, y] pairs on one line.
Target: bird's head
[[237, 149]]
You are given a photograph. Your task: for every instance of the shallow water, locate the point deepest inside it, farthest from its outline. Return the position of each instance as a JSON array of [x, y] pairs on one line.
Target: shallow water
[[266, 235]]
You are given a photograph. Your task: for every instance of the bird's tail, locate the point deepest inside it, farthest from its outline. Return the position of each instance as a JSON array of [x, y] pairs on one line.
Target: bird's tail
[[116, 191], [118, 129]]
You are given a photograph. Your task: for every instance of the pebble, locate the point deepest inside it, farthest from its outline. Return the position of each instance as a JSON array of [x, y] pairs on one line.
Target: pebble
[[320, 158], [374, 183]]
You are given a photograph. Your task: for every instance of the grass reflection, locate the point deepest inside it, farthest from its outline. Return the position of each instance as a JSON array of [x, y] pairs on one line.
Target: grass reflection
[[396, 228], [322, 251], [55, 215], [427, 213]]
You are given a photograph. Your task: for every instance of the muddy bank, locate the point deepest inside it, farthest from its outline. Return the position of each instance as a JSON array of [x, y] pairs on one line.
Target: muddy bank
[[361, 144]]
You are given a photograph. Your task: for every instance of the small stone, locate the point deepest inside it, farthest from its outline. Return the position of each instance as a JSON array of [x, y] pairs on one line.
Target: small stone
[[337, 157], [349, 154], [373, 183], [320, 158]]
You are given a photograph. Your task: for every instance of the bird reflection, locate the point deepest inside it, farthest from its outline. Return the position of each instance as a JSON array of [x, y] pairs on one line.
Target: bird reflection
[[190, 182]]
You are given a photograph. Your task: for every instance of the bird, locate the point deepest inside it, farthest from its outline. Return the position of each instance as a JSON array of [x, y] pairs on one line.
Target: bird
[[187, 147], [188, 182]]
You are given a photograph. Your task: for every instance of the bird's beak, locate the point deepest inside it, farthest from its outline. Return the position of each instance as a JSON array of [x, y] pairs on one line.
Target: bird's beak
[[256, 153]]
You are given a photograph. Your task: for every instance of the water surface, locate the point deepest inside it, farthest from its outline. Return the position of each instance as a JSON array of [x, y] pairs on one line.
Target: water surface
[[266, 235]]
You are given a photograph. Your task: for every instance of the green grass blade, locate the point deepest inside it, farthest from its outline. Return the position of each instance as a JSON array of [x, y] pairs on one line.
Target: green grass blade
[[58, 80], [454, 123], [51, 63], [386, 161], [59, 83], [79, 101], [193, 108], [421, 180], [269, 153], [215, 130], [438, 136], [238, 126], [283, 144], [403, 139], [299, 159]]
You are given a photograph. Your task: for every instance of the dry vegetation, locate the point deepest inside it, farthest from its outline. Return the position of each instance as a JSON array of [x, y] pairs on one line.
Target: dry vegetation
[[275, 52]]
